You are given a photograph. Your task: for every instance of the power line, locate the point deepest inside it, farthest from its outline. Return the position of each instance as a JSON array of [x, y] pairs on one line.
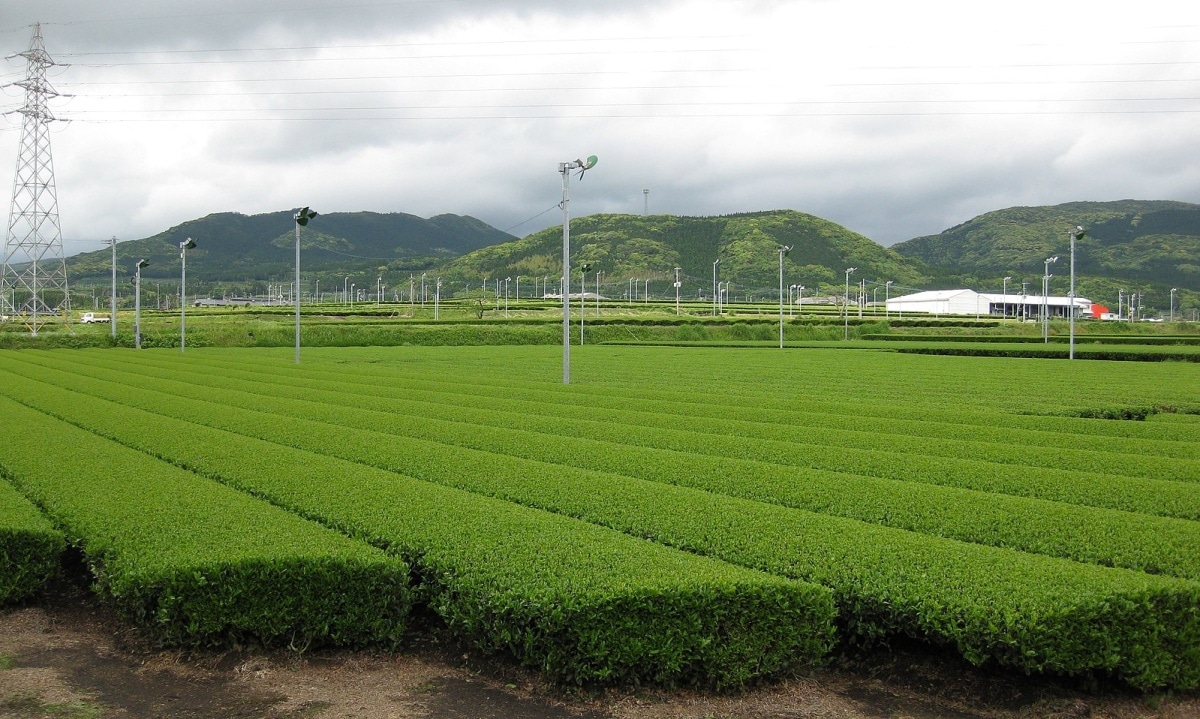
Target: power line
[[294, 48], [408, 76]]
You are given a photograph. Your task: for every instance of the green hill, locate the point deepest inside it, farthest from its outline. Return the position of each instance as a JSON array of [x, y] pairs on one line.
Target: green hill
[[232, 247], [1135, 241], [650, 247]]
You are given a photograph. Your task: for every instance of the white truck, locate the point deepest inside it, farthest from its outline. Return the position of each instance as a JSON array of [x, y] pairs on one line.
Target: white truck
[[91, 317]]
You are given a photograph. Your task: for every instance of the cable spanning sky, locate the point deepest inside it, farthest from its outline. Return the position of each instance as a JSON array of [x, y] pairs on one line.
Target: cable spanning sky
[[893, 119]]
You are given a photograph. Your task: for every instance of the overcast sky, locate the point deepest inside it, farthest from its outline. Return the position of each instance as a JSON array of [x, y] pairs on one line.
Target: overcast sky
[[895, 119]]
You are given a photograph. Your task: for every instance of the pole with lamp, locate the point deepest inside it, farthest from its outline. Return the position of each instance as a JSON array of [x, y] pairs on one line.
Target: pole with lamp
[[1046, 298], [1075, 234], [302, 216], [846, 301], [437, 298], [1004, 308], [1173, 291], [112, 316], [184, 246], [137, 302], [783, 250], [564, 169], [678, 284], [887, 297]]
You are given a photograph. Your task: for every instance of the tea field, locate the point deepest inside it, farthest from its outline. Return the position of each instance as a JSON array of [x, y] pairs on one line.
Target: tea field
[[675, 515]]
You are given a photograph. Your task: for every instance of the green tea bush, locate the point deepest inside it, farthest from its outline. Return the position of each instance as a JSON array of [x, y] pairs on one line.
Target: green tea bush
[[30, 547], [582, 603], [655, 449], [196, 563], [1020, 610]]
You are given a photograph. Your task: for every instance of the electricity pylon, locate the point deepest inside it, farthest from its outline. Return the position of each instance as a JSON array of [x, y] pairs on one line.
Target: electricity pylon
[[33, 284]]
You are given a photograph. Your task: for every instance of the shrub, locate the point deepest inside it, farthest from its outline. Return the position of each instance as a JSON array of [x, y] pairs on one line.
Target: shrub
[[30, 547]]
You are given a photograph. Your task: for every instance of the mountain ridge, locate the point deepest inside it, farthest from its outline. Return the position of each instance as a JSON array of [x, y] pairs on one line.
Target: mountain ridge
[[261, 247], [1122, 240]]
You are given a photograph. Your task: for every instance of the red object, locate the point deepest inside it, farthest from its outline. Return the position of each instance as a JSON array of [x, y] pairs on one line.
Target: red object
[[1099, 311]]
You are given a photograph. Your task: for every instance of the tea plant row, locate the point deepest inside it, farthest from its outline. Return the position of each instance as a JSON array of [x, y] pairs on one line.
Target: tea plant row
[[486, 486]]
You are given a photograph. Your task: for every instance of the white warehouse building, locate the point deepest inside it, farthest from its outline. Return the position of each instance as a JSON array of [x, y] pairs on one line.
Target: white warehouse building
[[970, 302]]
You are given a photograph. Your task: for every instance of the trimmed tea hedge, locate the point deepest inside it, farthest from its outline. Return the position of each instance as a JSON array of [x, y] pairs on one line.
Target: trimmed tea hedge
[[30, 547], [579, 602], [196, 563], [914, 410], [1083, 533], [1020, 610]]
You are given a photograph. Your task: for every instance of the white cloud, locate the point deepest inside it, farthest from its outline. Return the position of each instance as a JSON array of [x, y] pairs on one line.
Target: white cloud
[[895, 119]]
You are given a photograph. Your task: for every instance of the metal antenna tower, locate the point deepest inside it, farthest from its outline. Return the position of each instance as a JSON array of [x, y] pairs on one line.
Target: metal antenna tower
[[33, 284]]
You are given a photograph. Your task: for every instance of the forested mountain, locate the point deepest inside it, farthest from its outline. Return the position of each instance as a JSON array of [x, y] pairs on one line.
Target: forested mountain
[[1147, 247], [650, 247], [232, 247], [1129, 240]]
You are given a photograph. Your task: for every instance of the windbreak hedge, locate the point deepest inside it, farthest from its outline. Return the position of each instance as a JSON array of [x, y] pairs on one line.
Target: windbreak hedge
[[30, 547], [196, 563], [1020, 610], [579, 602]]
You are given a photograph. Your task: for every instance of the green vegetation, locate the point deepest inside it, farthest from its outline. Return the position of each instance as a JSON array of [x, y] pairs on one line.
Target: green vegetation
[[450, 456], [32, 707], [235, 251], [1146, 247], [581, 603], [539, 322], [635, 246], [1130, 247], [827, 470], [195, 562], [29, 548]]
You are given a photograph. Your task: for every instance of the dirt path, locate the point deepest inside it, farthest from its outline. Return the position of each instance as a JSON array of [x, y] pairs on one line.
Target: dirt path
[[70, 657]]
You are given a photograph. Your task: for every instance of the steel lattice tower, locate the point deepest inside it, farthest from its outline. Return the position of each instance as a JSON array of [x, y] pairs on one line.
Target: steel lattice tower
[[34, 280]]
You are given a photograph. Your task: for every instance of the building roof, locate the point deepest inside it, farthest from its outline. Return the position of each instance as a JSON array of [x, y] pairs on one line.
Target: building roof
[[994, 297]]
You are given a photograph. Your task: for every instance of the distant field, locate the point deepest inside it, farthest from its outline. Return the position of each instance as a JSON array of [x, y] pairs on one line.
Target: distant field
[[792, 499], [536, 322]]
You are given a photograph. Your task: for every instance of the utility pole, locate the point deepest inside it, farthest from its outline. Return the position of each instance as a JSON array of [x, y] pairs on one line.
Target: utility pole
[[1075, 234], [112, 313], [34, 265], [678, 284]]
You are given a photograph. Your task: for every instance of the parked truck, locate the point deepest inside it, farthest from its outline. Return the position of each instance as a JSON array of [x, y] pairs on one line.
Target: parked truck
[[91, 317]]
